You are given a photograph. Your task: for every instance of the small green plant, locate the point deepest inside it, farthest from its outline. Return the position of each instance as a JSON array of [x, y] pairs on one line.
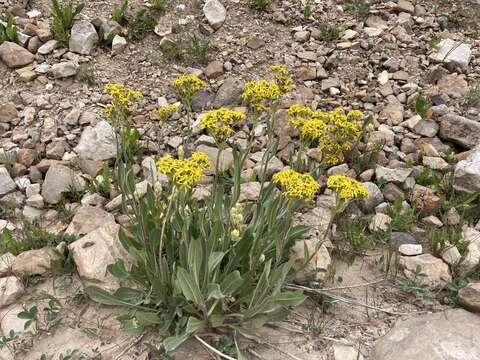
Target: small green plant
[[259, 4], [455, 286], [86, 73], [358, 8], [448, 236], [158, 5], [402, 219], [414, 286], [102, 187], [355, 232], [174, 52], [51, 315], [307, 11], [8, 32], [63, 18], [329, 33], [119, 14], [30, 236], [9, 340], [422, 105], [473, 97], [199, 47], [140, 24], [434, 41]]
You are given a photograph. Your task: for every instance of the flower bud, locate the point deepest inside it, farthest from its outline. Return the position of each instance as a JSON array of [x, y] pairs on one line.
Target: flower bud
[[235, 235], [180, 152], [262, 258]]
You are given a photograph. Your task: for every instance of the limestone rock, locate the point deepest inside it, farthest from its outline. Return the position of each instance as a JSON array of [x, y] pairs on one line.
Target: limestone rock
[[215, 13], [6, 182], [11, 288], [460, 130], [374, 198], [35, 262], [226, 157], [469, 297], [444, 335], [398, 175], [346, 352], [472, 258], [467, 172], [87, 219], [8, 112], [410, 249], [59, 179], [83, 37], [6, 263], [320, 261], [97, 143], [95, 251], [450, 51], [64, 69], [436, 271], [15, 56], [119, 43], [249, 191]]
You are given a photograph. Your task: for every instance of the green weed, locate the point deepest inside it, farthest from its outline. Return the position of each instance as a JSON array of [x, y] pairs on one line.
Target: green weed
[[9, 32], [329, 33], [63, 18], [422, 105], [414, 286], [119, 14], [259, 4], [140, 24], [358, 8]]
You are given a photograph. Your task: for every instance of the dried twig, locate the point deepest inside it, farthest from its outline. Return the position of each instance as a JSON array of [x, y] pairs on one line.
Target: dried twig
[[210, 347]]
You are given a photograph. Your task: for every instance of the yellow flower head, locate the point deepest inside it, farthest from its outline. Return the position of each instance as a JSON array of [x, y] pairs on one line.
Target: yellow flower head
[[184, 172], [299, 111], [296, 185], [282, 78], [165, 112], [122, 95], [187, 85], [257, 93], [219, 122], [346, 188]]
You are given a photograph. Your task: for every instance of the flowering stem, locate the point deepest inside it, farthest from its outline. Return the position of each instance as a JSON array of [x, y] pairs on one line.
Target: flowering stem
[[165, 219]]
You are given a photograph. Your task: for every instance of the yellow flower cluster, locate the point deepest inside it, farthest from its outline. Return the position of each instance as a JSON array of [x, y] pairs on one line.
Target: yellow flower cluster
[[282, 78], [346, 188], [184, 172], [296, 185], [219, 122], [257, 93], [122, 98], [335, 131], [187, 85], [165, 112]]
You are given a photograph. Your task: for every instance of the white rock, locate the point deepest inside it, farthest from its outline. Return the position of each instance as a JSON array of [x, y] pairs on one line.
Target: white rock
[[88, 218], [410, 249], [11, 288], [97, 143], [83, 37], [449, 50], [379, 222], [6, 263], [64, 69], [60, 178], [48, 47], [436, 271], [6, 182], [119, 43], [467, 172], [346, 352], [451, 255], [215, 13], [35, 262]]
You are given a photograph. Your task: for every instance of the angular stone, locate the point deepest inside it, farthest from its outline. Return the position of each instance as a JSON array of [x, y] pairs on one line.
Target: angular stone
[[346, 352], [467, 172], [119, 43], [95, 251], [48, 47], [97, 143], [457, 53], [374, 198], [6, 182], [214, 69], [460, 130], [471, 259], [469, 297], [11, 288], [6, 262], [8, 112], [215, 13], [83, 37], [320, 261], [451, 255], [425, 199], [64, 69], [35, 262], [398, 175], [410, 249], [226, 157], [15, 56], [88, 218], [59, 179], [451, 336], [379, 222], [436, 271], [249, 191], [229, 93], [405, 6], [392, 111]]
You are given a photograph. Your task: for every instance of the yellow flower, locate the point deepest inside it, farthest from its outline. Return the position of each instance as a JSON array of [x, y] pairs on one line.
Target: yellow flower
[[346, 188], [282, 78], [165, 112], [187, 85], [121, 94], [296, 185], [298, 111], [219, 122], [184, 172], [257, 93]]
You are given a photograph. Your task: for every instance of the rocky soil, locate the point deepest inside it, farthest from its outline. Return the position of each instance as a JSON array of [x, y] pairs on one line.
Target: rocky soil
[[413, 67]]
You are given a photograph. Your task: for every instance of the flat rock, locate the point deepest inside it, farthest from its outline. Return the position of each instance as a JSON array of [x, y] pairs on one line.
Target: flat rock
[[469, 297], [15, 56], [460, 130], [48, 47], [451, 51], [95, 251], [64, 69], [119, 43], [11, 288], [229, 93], [448, 335], [83, 37], [97, 143], [320, 261], [226, 157], [59, 179], [8, 112], [436, 271], [35, 262], [88, 218], [398, 175]]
